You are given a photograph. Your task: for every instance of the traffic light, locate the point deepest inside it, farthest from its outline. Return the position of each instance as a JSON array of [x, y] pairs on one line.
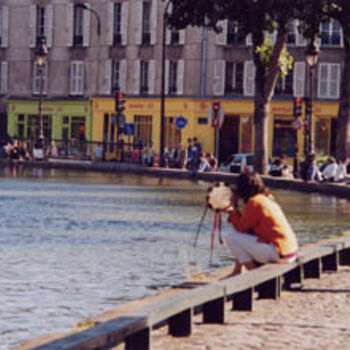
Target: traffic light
[[119, 102], [298, 106], [215, 121]]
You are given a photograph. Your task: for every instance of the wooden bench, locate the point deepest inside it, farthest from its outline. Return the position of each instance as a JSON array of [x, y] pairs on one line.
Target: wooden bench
[[177, 311]]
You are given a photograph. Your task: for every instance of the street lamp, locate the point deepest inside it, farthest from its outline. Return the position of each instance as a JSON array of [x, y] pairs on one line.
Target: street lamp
[[84, 7], [87, 8], [162, 93], [312, 55], [41, 53]]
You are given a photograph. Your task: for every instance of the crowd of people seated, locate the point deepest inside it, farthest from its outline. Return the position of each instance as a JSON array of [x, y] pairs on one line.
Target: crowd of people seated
[[14, 150], [331, 171], [191, 157]]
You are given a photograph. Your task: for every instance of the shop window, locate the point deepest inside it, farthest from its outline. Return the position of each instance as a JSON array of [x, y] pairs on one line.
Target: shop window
[[143, 129], [32, 125], [322, 136], [77, 128], [65, 134], [246, 134], [284, 138], [20, 126], [172, 134]]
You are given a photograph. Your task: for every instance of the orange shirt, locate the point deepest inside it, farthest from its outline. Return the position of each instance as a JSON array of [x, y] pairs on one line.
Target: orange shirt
[[265, 217]]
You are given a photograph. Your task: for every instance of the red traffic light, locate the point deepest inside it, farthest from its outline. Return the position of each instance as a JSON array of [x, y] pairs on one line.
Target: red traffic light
[[216, 106], [119, 102]]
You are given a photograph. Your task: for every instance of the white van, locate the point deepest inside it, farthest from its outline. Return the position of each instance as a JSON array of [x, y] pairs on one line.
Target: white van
[[238, 163]]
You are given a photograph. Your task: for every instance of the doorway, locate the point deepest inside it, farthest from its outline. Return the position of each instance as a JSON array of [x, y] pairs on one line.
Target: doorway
[[229, 137]]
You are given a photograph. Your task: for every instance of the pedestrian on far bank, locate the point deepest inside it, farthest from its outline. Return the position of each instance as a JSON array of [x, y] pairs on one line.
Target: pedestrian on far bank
[[310, 171], [329, 171], [213, 162], [341, 173]]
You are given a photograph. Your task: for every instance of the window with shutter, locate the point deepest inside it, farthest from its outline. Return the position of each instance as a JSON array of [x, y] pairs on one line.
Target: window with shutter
[[41, 23], [115, 76], [172, 77], [3, 77], [146, 23], [144, 77], [249, 78], [284, 86], [124, 22], [331, 33], [299, 79], [78, 26], [123, 72], [234, 78], [77, 78], [219, 78], [292, 33], [221, 38], [39, 79], [117, 27], [233, 35], [328, 80], [1, 25], [151, 76], [4, 26]]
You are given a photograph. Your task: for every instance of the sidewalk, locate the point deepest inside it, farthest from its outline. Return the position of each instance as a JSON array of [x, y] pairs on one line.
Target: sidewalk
[[316, 318]]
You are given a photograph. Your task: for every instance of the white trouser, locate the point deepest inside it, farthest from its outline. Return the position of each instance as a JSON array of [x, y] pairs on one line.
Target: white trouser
[[246, 248]]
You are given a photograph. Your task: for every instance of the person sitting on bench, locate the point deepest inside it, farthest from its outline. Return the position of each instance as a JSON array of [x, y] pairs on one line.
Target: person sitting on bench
[[273, 240]]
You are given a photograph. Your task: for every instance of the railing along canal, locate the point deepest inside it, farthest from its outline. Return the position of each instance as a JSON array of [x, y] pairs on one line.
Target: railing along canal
[[177, 311]]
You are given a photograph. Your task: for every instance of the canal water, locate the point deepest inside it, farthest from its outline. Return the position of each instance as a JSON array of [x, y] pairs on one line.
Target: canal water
[[74, 244]]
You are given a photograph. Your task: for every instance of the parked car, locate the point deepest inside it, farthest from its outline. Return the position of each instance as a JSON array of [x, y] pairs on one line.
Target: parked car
[[238, 163]]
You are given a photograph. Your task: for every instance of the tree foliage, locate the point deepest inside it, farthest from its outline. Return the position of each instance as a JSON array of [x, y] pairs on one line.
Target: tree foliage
[[256, 18]]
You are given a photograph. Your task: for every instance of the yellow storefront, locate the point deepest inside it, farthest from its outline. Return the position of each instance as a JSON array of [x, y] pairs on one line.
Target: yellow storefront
[[236, 134]]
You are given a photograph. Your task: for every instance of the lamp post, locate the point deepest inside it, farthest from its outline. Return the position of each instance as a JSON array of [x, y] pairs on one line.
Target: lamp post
[[312, 55], [84, 7], [41, 53], [162, 93]]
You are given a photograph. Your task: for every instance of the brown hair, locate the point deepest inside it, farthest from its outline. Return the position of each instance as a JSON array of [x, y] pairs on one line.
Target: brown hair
[[248, 185]]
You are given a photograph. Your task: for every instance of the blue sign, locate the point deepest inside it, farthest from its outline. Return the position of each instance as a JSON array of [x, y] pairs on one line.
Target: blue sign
[[180, 122], [129, 129]]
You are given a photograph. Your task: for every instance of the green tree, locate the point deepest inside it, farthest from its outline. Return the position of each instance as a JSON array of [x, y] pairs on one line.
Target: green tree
[[255, 18], [313, 13]]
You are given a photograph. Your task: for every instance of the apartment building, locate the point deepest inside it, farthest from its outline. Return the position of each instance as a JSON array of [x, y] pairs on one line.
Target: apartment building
[[85, 67]]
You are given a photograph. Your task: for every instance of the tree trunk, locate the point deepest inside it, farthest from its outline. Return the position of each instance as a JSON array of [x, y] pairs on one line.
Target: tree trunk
[[343, 118], [265, 81]]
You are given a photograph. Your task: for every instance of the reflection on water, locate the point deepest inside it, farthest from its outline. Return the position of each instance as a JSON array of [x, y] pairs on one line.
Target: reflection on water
[[74, 244]]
